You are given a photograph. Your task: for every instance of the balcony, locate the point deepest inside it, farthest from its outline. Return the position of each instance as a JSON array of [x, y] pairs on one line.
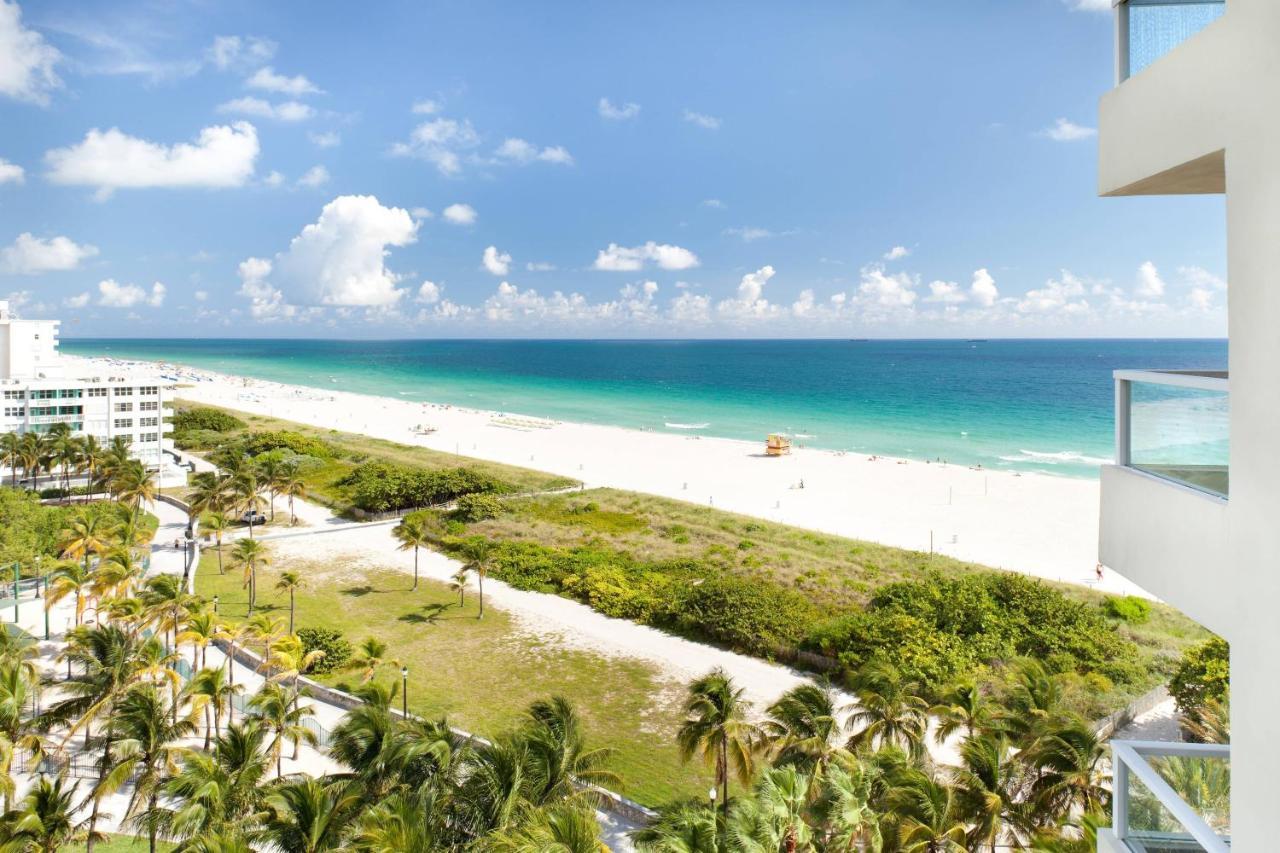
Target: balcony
[[1148, 29], [1175, 425], [1169, 798]]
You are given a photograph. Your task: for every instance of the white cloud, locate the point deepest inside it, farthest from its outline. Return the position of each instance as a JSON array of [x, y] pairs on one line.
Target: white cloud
[[339, 260], [420, 213], [268, 80], [879, 290], [1058, 296], [80, 300], [257, 107], [749, 302], [515, 150], [690, 309], [316, 176], [426, 107], [1089, 5], [429, 293], [896, 253], [539, 266], [31, 255], [713, 203], [11, 173], [459, 214], [1150, 284], [236, 52], [325, 139], [1063, 130], [983, 290], [617, 258], [945, 291], [222, 156], [266, 303], [702, 120], [273, 179], [498, 263], [112, 294], [1205, 287], [748, 233], [201, 295], [26, 60], [613, 112], [441, 142]]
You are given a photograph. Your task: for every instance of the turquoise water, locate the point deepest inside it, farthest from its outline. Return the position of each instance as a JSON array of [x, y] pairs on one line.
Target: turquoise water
[[1022, 404]]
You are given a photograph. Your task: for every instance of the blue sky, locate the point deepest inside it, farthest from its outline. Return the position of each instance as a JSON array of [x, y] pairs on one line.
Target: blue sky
[[452, 169]]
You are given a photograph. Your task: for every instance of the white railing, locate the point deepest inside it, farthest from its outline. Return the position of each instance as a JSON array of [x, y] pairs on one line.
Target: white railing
[[1175, 424], [1149, 814], [1148, 29]]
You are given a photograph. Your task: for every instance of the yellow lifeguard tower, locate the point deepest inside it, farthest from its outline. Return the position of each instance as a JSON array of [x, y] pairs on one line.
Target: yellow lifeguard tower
[[777, 445]]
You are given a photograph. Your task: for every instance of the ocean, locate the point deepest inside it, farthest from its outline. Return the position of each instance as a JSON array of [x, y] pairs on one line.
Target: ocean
[[1043, 405]]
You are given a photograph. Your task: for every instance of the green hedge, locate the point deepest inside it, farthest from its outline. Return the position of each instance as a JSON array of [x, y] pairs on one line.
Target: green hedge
[[384, 486], [337, 649], [205, 419], [1204, 673]]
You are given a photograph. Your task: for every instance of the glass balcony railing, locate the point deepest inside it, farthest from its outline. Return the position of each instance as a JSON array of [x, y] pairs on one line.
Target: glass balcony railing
[[1171, 797], [1175, 424], [1148, 29]]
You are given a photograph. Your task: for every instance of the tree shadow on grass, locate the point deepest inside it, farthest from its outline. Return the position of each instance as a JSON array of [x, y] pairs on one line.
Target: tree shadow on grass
[[429, 616], [358, 591]]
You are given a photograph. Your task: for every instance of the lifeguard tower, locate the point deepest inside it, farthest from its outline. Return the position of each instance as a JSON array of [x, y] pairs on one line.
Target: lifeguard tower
[[777, 445]]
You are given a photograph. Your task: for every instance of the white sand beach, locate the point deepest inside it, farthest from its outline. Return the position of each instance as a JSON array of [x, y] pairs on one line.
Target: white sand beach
[[1037, 524]]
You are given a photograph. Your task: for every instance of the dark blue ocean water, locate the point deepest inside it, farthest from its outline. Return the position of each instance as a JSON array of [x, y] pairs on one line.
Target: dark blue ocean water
[[1026, 404]]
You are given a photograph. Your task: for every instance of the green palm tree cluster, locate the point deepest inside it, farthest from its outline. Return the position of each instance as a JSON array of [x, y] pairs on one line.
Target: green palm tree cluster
[[242, 485], [817, 775], [64, 455]]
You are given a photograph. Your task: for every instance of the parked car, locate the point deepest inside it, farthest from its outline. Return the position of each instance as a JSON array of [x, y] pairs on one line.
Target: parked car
[[253, 517]]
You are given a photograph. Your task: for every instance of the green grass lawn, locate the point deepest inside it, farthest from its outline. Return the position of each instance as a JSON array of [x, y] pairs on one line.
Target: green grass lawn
[[482, 674], [122, 844], [322, 481]]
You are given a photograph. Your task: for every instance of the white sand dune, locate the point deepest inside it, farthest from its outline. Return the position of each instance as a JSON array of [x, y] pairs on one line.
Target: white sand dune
[[1037, 524]]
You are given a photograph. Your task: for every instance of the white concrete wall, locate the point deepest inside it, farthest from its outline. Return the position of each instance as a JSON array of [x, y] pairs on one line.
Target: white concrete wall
[[1221, 91], [1168, 539]]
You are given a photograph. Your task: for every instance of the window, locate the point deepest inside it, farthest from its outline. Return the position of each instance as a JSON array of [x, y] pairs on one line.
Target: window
[[97, 392], [146, 422], [14, 411], [148, 438], [149, 406], [149, 390], [44, 395], [124, 407], [124, 392], [70, 393], [71, 410], [41, 411], [124, 423], [15, 395]]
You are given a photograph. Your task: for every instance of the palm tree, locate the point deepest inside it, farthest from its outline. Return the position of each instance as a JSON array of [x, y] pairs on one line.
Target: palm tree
[[217, 793], [990, 783], [277, 710], [775, 818], [266, 629], [18, 731], [290, 582], [147, 751], [46, 821], [929, 820], [135, 486], [843, 809], [411, 533], [216, 523], [1070, 762], [309, 815], [716, 727], [477, 555], [804, 730], [558, 753], [210, 689], [112, 661], [11, 454], [89, 534], [686, 828], [210, 492], [1033, 705], [1209, 723], [117, 573], [92, 455], [234, 635], [888, 711], [71, 580], [201, 630], [246, 495], [370, 656], [251, 555], [565, 828], [405, 822], [963, 708], [32, 454], [271, 473], [459, 582], [293, 487]]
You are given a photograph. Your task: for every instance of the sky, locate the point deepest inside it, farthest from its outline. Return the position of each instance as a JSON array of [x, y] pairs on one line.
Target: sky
[[879, 168]]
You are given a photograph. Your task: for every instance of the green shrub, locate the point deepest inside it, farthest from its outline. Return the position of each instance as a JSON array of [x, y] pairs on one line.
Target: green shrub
[[383, 486], [1204, 673], [1127, 608], [207, 419], [336, 648], [258, 443], [478, 507], [746, 614]]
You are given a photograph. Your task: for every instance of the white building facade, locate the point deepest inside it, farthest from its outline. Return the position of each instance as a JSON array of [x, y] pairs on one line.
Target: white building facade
[[1191, 508], [38, 390]]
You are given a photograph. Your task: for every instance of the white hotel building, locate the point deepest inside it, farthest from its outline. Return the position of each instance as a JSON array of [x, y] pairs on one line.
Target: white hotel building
[[39, 390], [1191, 507]]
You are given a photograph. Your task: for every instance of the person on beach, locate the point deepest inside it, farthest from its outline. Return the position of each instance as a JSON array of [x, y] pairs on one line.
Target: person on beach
[[1098, 571]]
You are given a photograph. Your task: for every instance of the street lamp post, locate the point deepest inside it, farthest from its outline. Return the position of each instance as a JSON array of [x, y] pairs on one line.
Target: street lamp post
[[715, 818], [404, 690], [215, 605]]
